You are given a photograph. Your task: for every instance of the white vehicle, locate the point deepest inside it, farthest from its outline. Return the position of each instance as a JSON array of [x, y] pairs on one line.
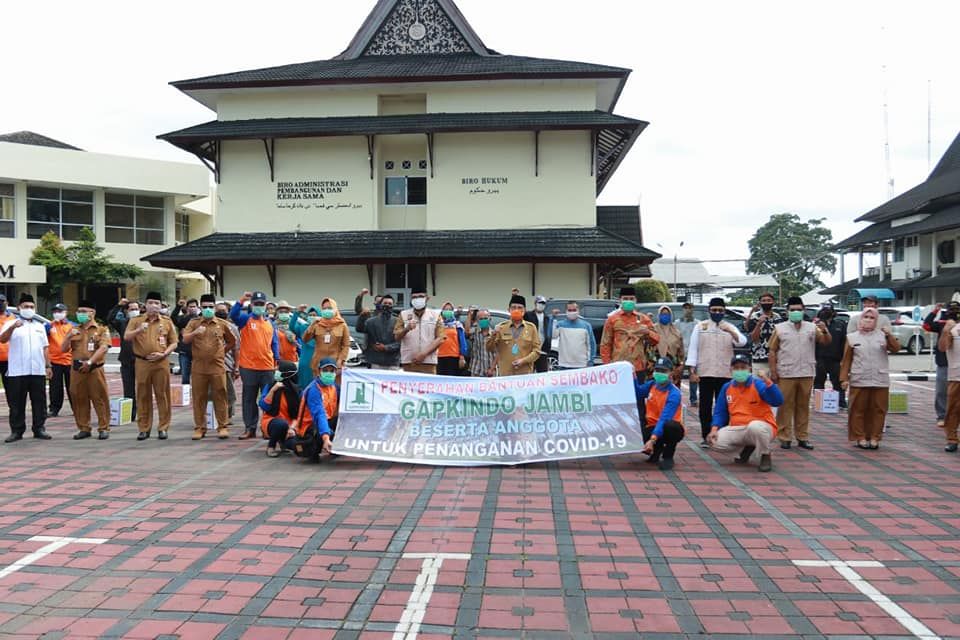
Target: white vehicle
[[355, 357]]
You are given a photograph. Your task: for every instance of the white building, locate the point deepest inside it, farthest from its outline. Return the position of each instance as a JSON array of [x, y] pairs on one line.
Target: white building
[[132, 205]]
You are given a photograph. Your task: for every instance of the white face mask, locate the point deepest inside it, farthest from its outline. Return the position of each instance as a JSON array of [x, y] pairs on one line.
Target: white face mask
[[27, 314], [541, 306], [419, 303], [573, 315], [60, 316], [132, 314]]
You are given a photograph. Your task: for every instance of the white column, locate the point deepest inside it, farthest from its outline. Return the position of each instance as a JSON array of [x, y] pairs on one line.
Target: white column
[[934, 266], [883, 260], [843, 256], [859, 266]]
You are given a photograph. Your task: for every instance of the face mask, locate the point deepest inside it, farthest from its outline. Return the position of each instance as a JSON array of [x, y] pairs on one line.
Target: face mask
[[327, 314], [795, 316], [283, 317], [447, 314], [208, 313], [386, 309], [660, 377], [484, 323], [516, 314], [313, 318], [259, 310], [278, 376], [165, 311], [328, 377], [573, 315], [766, 307], [60, 316], [717, 317], [27, 314], [419, 303], [223, 315], [541, 306], [741, 375], [153, 307], [133, 314], [628, 305], [665, 318], [83, 318]]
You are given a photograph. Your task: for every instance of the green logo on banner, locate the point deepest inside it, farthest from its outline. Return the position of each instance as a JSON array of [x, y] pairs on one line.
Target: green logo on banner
[[360, 396]]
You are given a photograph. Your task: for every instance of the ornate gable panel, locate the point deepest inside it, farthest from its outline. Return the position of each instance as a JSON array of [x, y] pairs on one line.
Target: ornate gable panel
[[401, 33]]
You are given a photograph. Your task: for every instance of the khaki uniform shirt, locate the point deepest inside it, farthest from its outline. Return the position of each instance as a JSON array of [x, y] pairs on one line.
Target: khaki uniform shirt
[[515, 343], [209, 348], [158, 337], [91, 338]]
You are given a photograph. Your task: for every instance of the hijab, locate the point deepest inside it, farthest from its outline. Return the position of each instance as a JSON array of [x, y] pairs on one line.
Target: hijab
[[671, 342], [874, 314], [336, 319], [450, 323]]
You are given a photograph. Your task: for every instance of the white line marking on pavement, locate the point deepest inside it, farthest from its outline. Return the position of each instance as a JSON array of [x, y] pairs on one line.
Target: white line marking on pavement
[[55, 543], [897, 612], [914, 385], [409, 625]]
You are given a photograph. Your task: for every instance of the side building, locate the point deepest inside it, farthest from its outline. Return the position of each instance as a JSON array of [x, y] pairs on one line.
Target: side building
[[916, 235], [129, 204], [418, 158]]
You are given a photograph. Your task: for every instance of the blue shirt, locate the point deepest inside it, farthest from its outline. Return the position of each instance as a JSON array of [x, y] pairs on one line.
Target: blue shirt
[[769, 394], [670, 408], [241, 318], [579, 323]]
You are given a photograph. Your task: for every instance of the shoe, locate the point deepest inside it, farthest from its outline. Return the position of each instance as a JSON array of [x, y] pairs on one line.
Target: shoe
[[653, 459], [843, 405], [785, 445], [223, 434], [13, 437], [666, 464], [53, 414], [103, 435], [765, 464], [246, 435], [704, 444], [744, 456], [81, 435], [804, 444], [863, 444], [198, 434], [143, 435], [162, 435], [941, 423], [951, 448], [42, 435], [874, 445], [272, 452]]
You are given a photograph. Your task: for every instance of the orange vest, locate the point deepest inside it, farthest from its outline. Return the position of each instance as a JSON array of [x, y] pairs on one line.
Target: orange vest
[[283, 413], [656, 401], [5, 346], [59, 331], [256, 350], [288, 350], [451, 346], [330, 403], [745, 405]]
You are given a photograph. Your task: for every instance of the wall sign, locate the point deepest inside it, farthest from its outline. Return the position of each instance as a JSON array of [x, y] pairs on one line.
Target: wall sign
[[7, 271], [315, 194], [485, 185]]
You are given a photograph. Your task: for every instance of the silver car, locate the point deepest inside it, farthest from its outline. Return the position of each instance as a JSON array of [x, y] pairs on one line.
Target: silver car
[[911, 334]]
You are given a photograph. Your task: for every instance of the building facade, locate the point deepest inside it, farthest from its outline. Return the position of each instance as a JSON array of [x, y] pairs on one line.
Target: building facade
[[916, 235], [417, 158], [130, 204]]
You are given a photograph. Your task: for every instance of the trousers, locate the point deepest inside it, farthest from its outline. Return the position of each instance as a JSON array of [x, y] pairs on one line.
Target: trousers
[[867, 411], [86, 389], [940, 400], [709, 392], [18, 389], [253, 380], [734, 438], [209, 386], [153, 381], [128, 375], [793, 417], [667, 445], [59, 382]]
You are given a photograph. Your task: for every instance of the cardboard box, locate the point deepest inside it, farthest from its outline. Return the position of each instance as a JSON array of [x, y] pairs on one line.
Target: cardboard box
[[121, 411], [180, 395], [826, 401], [899, 402]]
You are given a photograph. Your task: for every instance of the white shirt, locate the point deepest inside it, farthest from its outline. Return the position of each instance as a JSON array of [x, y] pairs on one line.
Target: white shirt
[[28, 346], [693, 354]]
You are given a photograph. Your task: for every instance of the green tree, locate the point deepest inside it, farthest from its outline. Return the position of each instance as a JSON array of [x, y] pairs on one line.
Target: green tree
[[652, 291], [794, 251], [84, 262], [51, 253]]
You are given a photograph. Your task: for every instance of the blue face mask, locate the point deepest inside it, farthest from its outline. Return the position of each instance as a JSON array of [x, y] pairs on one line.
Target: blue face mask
[[666, 318], [717, 317]]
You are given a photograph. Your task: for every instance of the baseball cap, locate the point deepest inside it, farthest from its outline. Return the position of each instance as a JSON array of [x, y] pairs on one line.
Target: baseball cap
[[663, 364], [740, 359], [541, 299], [258, 296], [59, 307]]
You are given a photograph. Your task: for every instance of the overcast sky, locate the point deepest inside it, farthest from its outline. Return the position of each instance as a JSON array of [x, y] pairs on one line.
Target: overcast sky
[[755, 107]]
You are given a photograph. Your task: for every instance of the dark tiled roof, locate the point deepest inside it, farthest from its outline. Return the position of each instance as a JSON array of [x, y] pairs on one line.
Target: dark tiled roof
[[403, 68], [940, 190], [946, 219], [380, 125], [589, 244], [36, 140], [621, 220], [944, 278]]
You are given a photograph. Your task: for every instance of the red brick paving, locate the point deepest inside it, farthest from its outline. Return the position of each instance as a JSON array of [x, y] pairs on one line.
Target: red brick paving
[[213, 540]]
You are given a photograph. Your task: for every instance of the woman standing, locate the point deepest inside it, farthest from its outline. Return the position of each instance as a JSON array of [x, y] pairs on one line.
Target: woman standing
[[300, 326], [865, 370], [671, 342], [451, 357], [332, 336]]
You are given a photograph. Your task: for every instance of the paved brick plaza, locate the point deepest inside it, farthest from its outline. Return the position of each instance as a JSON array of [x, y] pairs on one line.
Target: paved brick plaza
[[214, 540]]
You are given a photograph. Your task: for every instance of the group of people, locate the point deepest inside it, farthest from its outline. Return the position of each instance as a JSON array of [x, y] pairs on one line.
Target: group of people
[[289, 360]]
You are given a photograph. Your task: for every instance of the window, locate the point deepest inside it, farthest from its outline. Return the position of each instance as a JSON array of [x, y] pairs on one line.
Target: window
[[182, 227], [63, 211], [6, 211], [134, 219], [946, 252], [403, 190], [898, 250]]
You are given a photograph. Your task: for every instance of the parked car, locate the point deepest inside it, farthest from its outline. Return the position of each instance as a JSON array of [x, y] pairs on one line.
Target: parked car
[[911, 334]]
